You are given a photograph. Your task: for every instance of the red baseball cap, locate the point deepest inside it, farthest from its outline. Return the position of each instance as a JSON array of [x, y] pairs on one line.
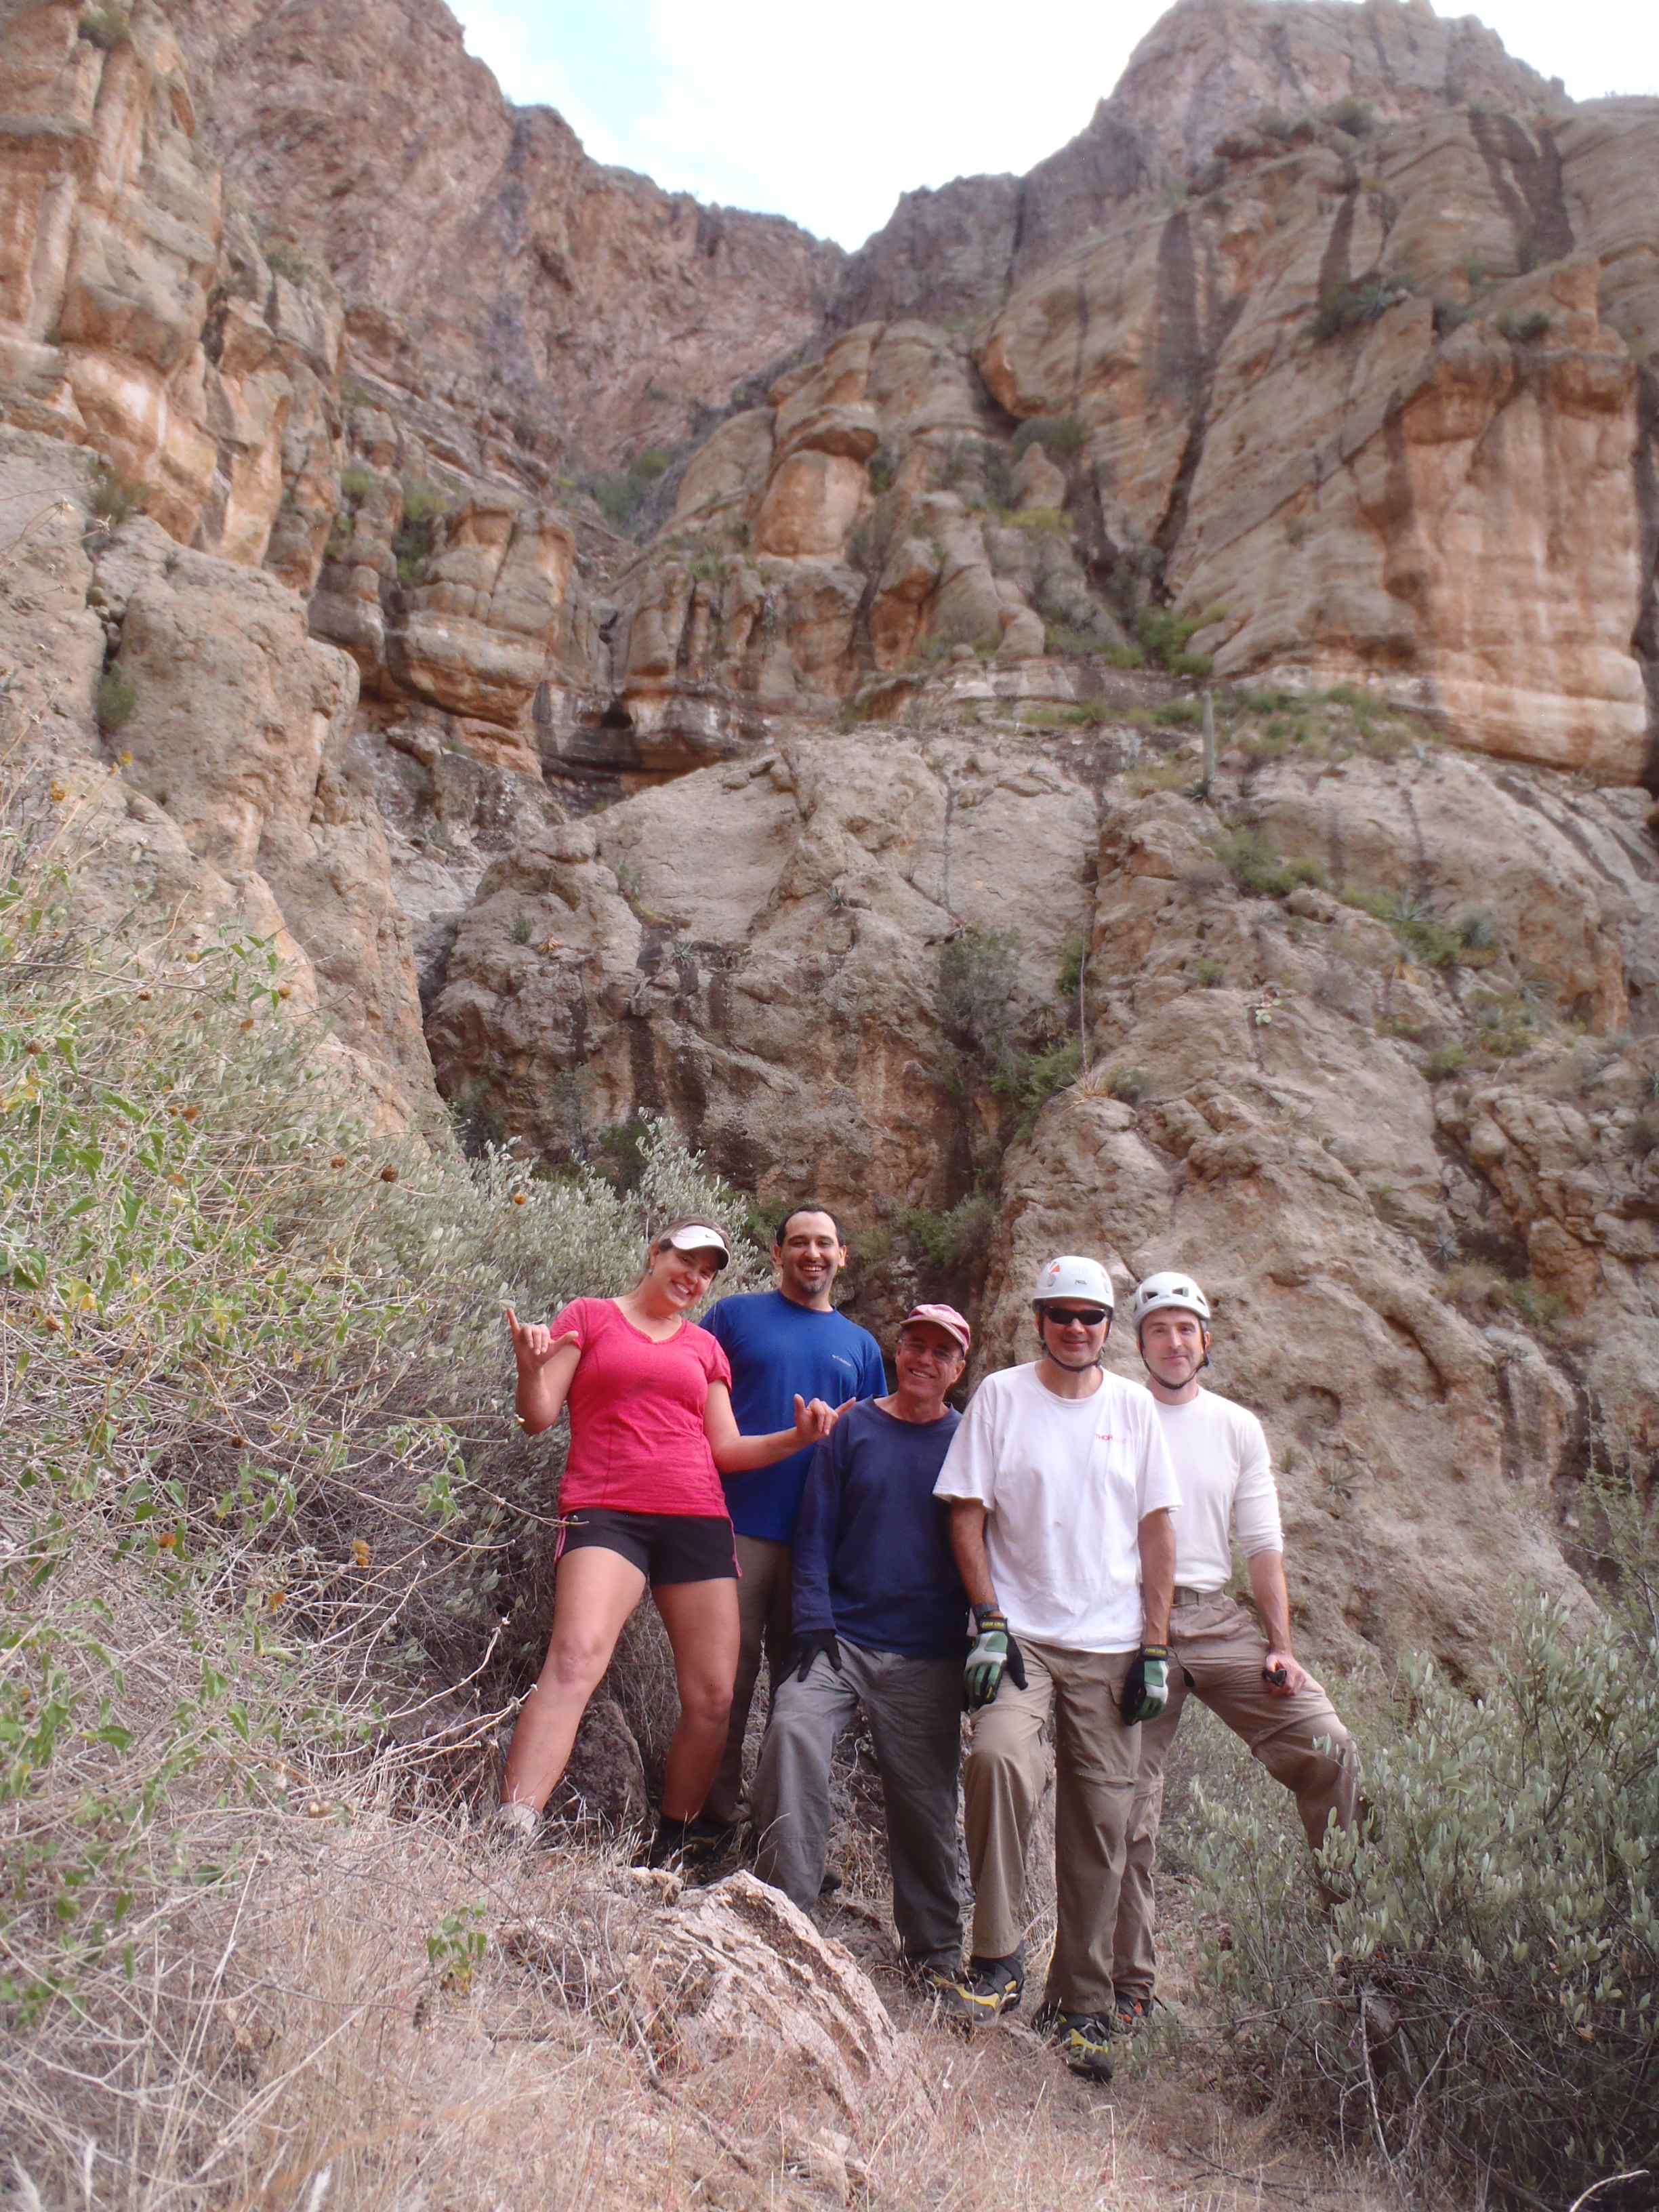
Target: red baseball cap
[[944, 1318]]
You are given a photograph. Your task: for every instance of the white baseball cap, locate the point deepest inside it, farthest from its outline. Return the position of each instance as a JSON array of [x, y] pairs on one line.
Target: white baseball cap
[[1070, 1276], [698, 1236]]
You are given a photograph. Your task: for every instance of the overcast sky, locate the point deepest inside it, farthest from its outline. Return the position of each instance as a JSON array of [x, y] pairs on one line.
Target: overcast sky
[[828, 116]]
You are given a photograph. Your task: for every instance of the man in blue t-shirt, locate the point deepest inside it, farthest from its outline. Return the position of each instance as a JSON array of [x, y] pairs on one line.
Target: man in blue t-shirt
[[780, 1342], [880, 1618]]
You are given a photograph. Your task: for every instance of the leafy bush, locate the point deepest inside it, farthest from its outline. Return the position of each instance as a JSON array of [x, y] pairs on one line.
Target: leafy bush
[[1526, 330], [1130, 1085], [412, 542], [1045, 520], [1447, 1059], [115, 498], [1250, 859], [263, 1511], [117, 696], [1059, 435], [1486, 1986], [356, 483], [882, 467], [979, 1000], [1349, 305], [651, 466], [953, 1239], [1355, 117], [1644, 1135], [284, 260], [1163, 634], [1429, 940], [105, 28]]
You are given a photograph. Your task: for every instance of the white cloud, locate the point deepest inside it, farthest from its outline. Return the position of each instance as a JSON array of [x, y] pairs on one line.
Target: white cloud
[[828, 119]]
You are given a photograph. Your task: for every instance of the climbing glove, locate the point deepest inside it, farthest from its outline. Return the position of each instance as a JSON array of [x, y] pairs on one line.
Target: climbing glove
[[806, 1650], [994, 1649], [1146, 1685]]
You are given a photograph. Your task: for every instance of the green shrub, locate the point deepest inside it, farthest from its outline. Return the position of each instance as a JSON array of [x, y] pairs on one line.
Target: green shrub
[[1349, 305], [105, 28], [115, 498], [1043, 520], [978, 999], [648, 467], [1250, 859], [1537, 1307], [412, 542], [284, 260], [356, 481], [1164, 635], [1063, 642], [1130, 1085], [117, 698], [1644, 1135], [1447, 1059], [1072, 954], [1430, 941], [1486, 1987], [1526, 330], [882, 467], [1059, 435], [953, 1239], [1207, 973], [1275, 124], [1038, 1075], [261, 1496], [1355, 117]]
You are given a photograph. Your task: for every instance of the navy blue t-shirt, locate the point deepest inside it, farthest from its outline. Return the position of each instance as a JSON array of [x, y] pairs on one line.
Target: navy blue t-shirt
[[777, 1348], [873, 1545]]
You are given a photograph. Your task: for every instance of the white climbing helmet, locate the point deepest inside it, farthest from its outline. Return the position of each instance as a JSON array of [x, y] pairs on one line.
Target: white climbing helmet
[[1160, 1292], [1071, 1277]]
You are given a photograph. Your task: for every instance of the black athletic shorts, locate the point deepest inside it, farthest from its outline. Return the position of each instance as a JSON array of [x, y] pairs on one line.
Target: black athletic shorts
[[665, 1547]]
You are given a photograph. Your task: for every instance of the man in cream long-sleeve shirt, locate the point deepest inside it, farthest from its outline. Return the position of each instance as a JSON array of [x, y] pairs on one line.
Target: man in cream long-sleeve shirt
[[1254, 1682]]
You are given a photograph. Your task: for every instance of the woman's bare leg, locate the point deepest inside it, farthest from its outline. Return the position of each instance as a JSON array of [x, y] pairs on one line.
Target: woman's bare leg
[[701, 1621], [593, 1593]]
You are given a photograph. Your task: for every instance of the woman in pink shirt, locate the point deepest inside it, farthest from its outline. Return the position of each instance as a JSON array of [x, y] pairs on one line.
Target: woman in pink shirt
[[651, 1433]]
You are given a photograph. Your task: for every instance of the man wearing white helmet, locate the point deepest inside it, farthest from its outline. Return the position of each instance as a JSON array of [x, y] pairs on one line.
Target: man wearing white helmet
[[1254, 1681], [1060, 1491]]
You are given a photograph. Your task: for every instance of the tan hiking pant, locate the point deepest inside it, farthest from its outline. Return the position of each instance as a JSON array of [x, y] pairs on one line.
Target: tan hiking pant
[[1095, 1766], [765, 1628], [1218, 1649]]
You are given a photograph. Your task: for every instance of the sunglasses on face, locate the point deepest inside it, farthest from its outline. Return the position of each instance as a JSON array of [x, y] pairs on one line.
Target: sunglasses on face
[[1090, 1317]]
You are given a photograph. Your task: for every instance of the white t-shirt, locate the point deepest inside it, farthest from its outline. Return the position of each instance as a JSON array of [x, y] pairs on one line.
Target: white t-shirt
[[1065, 1483], [1226, 1478]]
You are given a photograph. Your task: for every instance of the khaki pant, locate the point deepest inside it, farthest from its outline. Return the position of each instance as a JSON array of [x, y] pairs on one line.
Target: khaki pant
[[914, 1707], [765, 1599], [1216, 1648], [1095, 1765]]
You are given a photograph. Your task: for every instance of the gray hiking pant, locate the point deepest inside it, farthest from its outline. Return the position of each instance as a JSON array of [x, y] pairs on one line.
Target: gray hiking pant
[[914, 1707]]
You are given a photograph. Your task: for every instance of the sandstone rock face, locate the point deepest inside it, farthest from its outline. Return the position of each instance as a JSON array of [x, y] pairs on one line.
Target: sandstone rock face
[[753, 950], [137, 312], [223, 798], [1354, 1224], [1208, 65], [1296, 409], [553, 305]]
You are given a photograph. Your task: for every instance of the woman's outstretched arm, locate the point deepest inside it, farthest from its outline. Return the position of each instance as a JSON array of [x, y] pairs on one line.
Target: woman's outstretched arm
[[735, 1454], [545, 1365]]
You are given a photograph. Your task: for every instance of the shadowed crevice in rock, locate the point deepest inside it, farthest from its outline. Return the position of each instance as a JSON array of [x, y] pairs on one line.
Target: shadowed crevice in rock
[[1526, 180], [1333, 262], [1645, 641]]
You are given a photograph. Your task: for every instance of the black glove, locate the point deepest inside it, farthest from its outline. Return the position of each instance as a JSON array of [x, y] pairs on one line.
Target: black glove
[[1146, 1685], [806, 1649], [994, 1651]]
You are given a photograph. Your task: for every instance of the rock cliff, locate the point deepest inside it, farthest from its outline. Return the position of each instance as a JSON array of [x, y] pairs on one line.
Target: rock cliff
[[628, 658]]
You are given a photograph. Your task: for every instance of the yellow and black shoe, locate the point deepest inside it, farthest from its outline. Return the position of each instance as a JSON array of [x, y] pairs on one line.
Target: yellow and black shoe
[[990, 1987], [1082, 2040]]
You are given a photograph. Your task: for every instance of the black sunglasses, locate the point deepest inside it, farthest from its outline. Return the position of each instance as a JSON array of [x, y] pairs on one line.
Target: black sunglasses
[[1091, 1316]]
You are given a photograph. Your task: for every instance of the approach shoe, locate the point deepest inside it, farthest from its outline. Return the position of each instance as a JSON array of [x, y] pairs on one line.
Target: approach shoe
[[989, 1988], [1133, 2016], [1082, 2040], [691, 1847]]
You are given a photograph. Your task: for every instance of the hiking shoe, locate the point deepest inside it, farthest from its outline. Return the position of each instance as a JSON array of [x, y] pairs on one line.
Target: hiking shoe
[[1083, 2040], [989, 1988], [689, 1846], [514, 1825], [1133, 2016]]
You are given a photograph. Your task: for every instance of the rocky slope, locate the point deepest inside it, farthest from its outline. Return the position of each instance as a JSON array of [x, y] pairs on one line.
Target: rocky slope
[[833, 788]]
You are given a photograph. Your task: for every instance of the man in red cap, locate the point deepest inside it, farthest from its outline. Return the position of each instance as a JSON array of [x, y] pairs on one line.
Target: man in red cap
[[880, 1620]]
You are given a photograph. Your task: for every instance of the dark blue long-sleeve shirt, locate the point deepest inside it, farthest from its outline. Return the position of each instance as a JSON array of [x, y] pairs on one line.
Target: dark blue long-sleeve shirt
[[873, 1544]]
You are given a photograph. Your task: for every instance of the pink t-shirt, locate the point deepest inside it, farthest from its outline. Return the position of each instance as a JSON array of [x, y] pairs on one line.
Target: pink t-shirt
[[637, 1442]]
